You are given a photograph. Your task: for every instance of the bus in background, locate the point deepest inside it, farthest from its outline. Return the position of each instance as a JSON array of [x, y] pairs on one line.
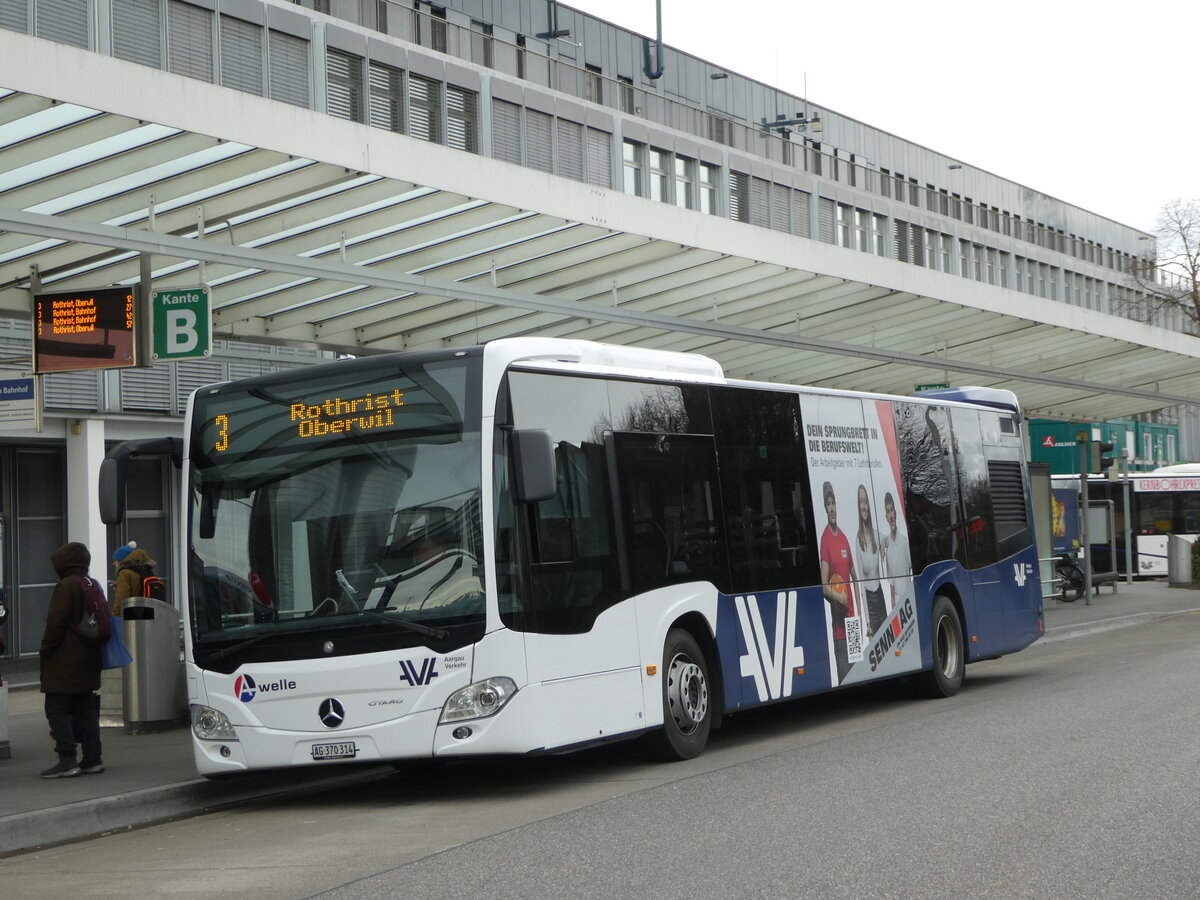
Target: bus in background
[[1164, 502], [540, 545]]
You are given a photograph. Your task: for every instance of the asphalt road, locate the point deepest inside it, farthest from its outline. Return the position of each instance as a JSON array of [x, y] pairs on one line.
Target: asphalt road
[[1069, 770]]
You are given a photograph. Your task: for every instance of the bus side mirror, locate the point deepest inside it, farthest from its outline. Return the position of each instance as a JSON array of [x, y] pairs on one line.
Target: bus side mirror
[[112, 489], [533, 458], [114, 469]]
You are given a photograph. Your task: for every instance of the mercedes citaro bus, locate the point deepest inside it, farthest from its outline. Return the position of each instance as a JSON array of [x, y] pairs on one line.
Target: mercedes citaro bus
[[539, 545]]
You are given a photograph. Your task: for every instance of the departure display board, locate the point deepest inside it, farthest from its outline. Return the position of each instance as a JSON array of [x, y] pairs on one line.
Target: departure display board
[[88, 329]]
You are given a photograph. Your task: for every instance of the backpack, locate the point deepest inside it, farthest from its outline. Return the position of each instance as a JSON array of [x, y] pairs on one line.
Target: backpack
[[95, 625], [153, 587]]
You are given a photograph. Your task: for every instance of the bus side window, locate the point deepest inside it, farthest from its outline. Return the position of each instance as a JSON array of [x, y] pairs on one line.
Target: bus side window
[[764, 485]]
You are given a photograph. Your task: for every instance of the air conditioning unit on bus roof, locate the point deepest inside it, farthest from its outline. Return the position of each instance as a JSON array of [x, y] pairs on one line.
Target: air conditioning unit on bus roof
[[612, 356]]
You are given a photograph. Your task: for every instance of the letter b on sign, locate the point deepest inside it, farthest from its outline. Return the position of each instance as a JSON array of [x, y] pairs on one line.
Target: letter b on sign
[[182, 323]]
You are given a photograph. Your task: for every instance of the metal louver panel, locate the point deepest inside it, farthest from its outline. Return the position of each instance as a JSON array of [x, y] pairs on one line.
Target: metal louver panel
[[241, 55], [147, 389], [190, 41], [386, 97], [287, 58], [192, 374], [825, 218], [344, 88], [739, 196], [570, 149], [72, 390], [506, 131], [14, 15], [760, 198], [539, 141], [801, 203], [65, 21], [599, 157], [137, 31], [781, 208], [462, 119], [424, 108], [900, 240]]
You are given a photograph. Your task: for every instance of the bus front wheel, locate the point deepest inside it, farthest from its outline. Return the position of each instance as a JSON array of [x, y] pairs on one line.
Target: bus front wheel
[[949, 659], [687, 701]]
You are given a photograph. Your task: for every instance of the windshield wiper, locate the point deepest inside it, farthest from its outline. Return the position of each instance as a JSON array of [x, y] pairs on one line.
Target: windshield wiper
[[240, 645], [428, 630]]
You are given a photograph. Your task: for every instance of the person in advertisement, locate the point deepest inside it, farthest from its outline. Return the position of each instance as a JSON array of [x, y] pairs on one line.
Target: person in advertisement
[[897, 563], [837, 575], [867, 562]]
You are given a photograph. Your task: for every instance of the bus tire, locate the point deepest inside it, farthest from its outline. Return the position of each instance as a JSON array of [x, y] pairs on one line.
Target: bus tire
[[687, 700], [949, 657]]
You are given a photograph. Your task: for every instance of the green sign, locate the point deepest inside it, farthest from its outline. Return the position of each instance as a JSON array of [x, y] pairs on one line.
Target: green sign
[[930, 387], [182, 323]]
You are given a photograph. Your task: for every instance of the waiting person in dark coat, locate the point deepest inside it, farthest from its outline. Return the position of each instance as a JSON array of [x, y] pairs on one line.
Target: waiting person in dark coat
[[70, 670]]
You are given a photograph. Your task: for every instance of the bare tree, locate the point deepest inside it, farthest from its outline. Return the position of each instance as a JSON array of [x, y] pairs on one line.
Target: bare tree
[[1169, 276]]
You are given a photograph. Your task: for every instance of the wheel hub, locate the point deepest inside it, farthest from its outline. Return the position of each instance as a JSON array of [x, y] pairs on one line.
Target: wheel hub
[[687, 694]]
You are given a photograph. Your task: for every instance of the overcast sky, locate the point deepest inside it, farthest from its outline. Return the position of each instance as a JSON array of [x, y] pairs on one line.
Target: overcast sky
[[1091, 102]]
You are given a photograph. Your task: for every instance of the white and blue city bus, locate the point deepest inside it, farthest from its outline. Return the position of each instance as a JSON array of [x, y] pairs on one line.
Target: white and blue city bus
[[539, 545]]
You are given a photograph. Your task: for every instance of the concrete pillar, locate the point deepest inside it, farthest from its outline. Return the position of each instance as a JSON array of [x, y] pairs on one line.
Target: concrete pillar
[[85, 450]]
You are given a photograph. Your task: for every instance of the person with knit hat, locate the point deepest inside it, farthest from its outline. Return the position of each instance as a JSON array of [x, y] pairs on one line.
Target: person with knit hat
[[131, 566]]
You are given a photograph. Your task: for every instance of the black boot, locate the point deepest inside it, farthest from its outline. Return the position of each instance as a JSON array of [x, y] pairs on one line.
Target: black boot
[[66, 767]]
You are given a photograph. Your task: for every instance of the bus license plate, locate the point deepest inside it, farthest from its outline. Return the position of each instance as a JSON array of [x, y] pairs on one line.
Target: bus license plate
[[345, 750]]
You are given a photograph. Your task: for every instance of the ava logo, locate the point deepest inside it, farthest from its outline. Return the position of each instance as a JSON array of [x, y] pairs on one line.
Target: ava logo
[[770, 664], [417, 677], [1021, 571], [244, 688]]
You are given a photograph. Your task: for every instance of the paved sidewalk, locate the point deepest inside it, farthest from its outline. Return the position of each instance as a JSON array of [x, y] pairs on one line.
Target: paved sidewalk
[[151, 777]]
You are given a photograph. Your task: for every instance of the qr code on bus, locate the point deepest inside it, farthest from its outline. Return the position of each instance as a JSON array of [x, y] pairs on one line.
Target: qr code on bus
[[854, 640]]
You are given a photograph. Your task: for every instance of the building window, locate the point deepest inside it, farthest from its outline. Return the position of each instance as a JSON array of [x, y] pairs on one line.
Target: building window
[[539, 140], [685, 178], [593, 84], [599, 157], [570, 149], [425, 108], [633, 158], [287, 66], [386, 97], [625, 86], [739, 196], [660, 175], [845, 225], [136, 26], [506, 131], [344, 77], [189, 41], [879, 234], [708, 188], [462, 119], [242, 55]]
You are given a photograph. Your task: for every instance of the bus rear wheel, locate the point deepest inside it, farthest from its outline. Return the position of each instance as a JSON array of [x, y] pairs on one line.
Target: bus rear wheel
[[949, 659], [687, 701]]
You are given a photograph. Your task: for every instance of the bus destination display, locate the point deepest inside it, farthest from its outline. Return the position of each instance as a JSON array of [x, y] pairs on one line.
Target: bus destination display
[[329, 417], [89, 329]]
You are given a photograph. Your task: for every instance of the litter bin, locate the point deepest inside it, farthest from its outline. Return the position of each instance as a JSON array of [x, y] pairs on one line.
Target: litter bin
[[151, 688], [1179, 561]]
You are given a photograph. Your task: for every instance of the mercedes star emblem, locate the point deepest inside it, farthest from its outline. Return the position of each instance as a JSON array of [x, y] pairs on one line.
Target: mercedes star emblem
[[331, 713]]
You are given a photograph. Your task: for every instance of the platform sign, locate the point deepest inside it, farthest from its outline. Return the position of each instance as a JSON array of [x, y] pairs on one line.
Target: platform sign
[[88, 329], [182, 323], [937, 386]]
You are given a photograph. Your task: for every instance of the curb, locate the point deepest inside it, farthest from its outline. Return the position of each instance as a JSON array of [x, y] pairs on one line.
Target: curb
[[30, 831], [1068, 632]]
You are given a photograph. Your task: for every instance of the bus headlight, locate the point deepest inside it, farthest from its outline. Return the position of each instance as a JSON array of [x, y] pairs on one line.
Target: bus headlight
[[210, 724], [478, 700]]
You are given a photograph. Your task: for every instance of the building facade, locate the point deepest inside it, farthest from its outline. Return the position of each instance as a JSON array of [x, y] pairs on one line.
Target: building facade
[[541, 86]]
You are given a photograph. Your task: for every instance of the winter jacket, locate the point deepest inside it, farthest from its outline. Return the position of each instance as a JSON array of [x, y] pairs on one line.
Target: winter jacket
[[69, 666], [136, 566]]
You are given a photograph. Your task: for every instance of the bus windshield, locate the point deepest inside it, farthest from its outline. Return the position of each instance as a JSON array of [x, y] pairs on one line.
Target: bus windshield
[[344, 507]]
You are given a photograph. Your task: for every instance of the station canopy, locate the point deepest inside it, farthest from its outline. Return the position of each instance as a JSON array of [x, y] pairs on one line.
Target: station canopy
[[317, 231]]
